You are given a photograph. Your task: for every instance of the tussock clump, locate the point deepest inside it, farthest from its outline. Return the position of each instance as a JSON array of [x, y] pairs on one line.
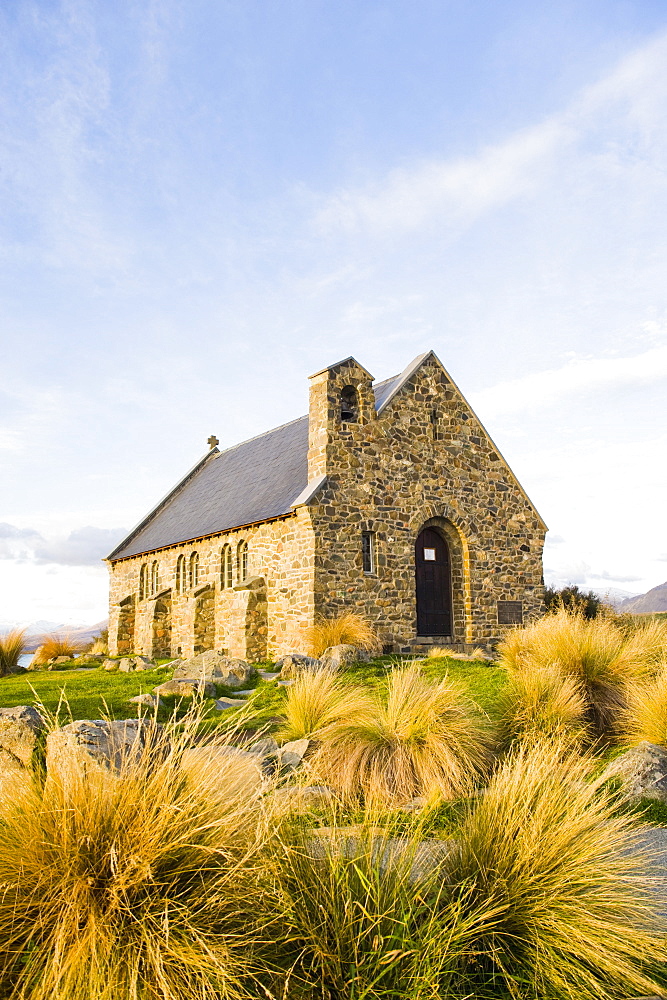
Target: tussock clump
[[315, 700], [12, 646], [540, 703], [422, 738], [349, 628], [439, 652], [646, 714], [128, 885], [57, 645], [545, 848]]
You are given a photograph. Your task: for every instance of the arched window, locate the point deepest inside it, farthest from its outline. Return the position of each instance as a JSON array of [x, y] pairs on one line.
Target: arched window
[[242, 561], [143, 582], [155, 578], [349, 404], [194, 570], [181, 576], [226, 567]]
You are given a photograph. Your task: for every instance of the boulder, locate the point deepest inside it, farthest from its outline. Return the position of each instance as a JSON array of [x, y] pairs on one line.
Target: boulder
[[216, 667], [150, 700], [290, 755], [642, 772], [266, 747], [222, 704], [129, 664], [97, 745], [301, 798], [110, 664], [339, 657], [19, 731], [224, 770], [186, 689], [294, 663]]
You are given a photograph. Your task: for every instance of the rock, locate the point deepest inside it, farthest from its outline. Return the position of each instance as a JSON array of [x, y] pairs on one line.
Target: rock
[[386, 852], [19, 730], [642, 772], [339, 657], [224, 770], [57, 660], [186, 689], [96, 746], [150, 700], [110, 664], [291, 755], [268, 675], [266, 747], [216, 667], [222, 704], [246, 694], [300, 798], [130, 664], [286, 683], [293, 664]]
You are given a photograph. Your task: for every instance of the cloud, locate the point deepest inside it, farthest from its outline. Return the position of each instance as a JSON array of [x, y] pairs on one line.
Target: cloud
[[82, 547], [614, 577], [552, 539], [540, 389]]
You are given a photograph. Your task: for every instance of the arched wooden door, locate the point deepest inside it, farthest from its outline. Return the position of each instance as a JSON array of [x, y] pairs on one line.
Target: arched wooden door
[[434, 584]]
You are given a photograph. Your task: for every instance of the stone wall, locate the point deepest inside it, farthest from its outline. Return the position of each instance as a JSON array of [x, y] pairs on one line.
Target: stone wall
[[424, 460]]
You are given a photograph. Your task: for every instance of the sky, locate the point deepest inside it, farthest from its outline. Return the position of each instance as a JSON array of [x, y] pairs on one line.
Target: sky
[[202, 202]]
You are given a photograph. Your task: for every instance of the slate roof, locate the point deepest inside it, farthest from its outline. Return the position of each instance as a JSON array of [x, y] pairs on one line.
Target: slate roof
[[254, 481]]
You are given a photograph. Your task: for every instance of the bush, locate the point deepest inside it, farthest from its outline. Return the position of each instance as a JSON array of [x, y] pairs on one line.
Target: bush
[[542, 702], [315, 700], [130, 885], [349, 628], [546, 850], [57, 645], [422, 739], [573, 599], [593, 651], [12, 646]]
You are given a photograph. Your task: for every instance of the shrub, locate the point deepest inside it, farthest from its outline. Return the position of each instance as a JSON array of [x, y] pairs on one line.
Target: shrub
[[594, 651], [130, 885], [315, 700], [423, 738], [57, 645], [646, 715], [100, 644], [545, 848], [12, 646], [542, 702], [348, 628], [573, 599]]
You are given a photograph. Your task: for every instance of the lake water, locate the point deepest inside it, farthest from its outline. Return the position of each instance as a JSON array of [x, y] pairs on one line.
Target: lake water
[[25, 658]]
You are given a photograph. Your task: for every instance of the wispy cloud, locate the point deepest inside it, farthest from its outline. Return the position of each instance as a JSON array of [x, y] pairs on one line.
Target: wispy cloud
[[82, 547]]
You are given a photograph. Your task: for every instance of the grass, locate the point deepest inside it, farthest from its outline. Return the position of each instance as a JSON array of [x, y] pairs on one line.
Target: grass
[[349, 629], [314, 701], [57, 645], [422, 738], [542, 702], [646, 714], [12, 646], [131, 885]]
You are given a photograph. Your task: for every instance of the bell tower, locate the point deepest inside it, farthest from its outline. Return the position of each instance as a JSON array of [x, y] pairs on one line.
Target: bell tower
[[342, 403]]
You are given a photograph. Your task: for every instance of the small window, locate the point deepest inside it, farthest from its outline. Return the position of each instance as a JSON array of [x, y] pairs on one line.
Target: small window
[[349, 405], [368, 551], [194, 570], [242, 561], [226, 567], [181, 576], [155, 578], [435, 425], [143, 582]]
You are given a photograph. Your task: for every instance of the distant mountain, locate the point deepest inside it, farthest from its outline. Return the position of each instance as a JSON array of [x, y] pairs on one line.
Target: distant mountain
[[36, 631], [654, 600], [613, 596]]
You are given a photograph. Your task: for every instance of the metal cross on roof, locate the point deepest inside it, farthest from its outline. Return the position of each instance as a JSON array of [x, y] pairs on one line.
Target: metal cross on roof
[[212, 441]]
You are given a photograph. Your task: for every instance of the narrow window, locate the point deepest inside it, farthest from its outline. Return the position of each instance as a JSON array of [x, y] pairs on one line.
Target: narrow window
[[242, 561], [181, 576], [194, 570], [435, 427], [143, 582], [226, 567], [155, 578], [368, 551], [349, 405]]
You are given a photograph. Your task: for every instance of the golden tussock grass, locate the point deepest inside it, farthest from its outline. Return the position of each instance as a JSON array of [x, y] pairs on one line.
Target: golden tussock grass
[[12, 646], [57, 645], [422, 738], [128, 885], [542, 702], [315, 700], [545, 846], [646, 715], [439, 652], [349, 628]]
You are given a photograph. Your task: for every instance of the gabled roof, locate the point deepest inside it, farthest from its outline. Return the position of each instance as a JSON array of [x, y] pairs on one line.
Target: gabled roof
[[257, 480]]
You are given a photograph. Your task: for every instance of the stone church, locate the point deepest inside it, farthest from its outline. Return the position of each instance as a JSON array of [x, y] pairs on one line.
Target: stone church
[[388, 499]]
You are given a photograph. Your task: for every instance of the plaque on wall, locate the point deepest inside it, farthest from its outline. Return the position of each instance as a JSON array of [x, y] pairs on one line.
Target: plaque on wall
[[510, 613]]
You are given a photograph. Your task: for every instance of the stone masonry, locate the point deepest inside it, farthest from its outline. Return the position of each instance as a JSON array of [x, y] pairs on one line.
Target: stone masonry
[[421, 459]]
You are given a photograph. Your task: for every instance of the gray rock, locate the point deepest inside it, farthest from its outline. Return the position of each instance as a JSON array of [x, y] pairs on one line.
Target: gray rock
[[246, 694], [110, 664], [286, 683], [19, 730], [224, 770], [298, 798], [291, 755], [293, 664], [186, 689], [130, 664], [642, 772], [57, 660], [268, 675], [386, 852], [339, 657], [150, 700], [216, 667], [266, 747], [97, 745], [222, 704]]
